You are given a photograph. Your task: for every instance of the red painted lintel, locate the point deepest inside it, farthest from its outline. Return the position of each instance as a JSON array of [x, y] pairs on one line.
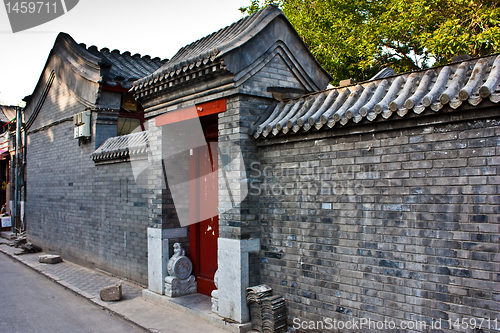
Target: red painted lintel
[[191, 112]]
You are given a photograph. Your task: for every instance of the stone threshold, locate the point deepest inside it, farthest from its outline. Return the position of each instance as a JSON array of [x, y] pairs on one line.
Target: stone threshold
[[199, 306]]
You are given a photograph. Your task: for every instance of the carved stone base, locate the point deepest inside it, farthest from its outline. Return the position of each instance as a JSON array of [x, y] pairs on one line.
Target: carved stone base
[[215, 301], [175, 287]]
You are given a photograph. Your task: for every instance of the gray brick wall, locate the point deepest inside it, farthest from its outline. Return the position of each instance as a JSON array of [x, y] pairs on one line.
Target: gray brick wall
[[392, 225], [59, 104], [276, 73], [243, 110], [94, 215], [241, 222]]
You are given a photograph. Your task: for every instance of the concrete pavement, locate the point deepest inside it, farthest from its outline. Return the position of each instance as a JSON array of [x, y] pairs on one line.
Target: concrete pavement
[[30, 303], [148, 315]]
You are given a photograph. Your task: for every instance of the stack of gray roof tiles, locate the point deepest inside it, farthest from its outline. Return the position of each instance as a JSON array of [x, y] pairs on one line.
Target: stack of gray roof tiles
[[267, 312]]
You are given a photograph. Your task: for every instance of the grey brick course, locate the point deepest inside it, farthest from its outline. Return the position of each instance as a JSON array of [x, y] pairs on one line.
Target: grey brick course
[[95, 215], [405, 226]]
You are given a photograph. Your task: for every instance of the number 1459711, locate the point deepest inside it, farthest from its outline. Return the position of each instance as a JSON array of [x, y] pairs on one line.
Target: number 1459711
[[31, 7], [473, 323]]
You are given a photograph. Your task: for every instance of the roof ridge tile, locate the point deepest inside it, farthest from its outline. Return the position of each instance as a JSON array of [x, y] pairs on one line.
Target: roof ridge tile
[[210, 47], [471, 80]]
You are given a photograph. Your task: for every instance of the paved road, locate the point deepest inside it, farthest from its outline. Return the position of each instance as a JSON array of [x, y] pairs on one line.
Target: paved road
[[29, 302]]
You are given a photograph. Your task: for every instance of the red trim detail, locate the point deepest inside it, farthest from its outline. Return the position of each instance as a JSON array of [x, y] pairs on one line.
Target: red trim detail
[[191, 112], [117, 88]]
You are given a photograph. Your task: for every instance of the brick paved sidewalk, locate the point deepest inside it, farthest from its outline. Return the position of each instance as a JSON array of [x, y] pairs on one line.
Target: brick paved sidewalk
[[88, 283], [80, 279]]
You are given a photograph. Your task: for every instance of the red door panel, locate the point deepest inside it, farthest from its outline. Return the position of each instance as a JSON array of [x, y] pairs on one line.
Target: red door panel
[[203, 193]]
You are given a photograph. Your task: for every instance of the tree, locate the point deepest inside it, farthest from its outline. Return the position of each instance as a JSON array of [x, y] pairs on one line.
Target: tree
[[357, 38]]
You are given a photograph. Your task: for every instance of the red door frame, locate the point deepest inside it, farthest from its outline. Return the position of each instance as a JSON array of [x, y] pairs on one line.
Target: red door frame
[[207, 113], [203, 252]]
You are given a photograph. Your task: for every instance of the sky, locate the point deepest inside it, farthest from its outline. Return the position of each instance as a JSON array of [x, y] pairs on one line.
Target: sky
[[158, 28]]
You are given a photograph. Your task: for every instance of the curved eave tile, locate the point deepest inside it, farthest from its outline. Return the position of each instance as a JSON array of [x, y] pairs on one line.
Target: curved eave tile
[[121, 147], [469, 81]]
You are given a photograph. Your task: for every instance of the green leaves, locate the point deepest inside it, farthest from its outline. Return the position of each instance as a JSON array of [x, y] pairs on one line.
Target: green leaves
[[256, 5], [357, 38]]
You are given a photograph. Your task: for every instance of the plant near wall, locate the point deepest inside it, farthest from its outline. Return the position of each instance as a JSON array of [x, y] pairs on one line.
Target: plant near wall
[[357, 38]]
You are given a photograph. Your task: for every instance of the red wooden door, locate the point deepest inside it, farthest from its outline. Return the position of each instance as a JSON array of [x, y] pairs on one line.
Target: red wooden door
[[203, 202]]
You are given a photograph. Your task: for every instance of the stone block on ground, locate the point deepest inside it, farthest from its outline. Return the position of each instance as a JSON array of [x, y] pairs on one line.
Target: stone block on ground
[[30, 248], [19, 241], [111, 293], [49, 259]]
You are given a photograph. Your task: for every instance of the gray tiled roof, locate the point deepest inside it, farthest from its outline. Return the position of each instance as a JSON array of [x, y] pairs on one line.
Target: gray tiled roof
[[468, 81], [211, 47], [7, 113], [120, 147], [116, 68], [125, 67]]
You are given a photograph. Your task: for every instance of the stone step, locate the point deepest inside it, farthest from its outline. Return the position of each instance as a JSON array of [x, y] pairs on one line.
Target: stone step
[[197, 305]]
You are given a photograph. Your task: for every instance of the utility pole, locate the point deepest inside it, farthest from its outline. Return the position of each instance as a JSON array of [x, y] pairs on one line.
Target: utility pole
[[17, 194], [23, 171]]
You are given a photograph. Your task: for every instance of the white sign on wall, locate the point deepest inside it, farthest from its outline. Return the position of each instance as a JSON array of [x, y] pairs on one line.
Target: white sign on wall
[[6, 222]]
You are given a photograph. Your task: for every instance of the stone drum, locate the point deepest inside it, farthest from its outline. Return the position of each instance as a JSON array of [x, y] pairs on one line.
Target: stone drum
[[180, 282], [179, 265]]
